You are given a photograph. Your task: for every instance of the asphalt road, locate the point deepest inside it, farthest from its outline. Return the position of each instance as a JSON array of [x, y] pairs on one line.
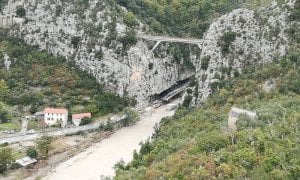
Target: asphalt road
[[28, 137]]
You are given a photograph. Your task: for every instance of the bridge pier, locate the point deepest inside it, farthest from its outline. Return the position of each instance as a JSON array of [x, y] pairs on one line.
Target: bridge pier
[[155, 46]]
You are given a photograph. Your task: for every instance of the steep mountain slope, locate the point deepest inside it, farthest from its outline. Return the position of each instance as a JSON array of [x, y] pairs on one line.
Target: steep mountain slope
[[31, 79], [96, 36], [241, 39], [197, 144], [101, 38]]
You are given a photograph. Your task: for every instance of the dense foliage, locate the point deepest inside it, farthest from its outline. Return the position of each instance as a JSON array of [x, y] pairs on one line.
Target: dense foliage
[[6, 158], [180, 17], [3, 114], [36, 79], [21, 12], [226, 40], [2, 4], [32, 152], [44, 145], [85, 120], [196, 144], [131, 117]]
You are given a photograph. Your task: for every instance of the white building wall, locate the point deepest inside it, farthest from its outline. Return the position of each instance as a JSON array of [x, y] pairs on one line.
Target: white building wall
[[54, 118], [76, 122]]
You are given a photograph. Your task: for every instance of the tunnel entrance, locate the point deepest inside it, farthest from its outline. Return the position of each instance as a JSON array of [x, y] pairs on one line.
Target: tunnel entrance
[[171, 93]]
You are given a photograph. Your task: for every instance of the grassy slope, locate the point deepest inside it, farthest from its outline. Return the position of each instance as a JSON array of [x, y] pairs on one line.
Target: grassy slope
[[36, 79], [9, 126]]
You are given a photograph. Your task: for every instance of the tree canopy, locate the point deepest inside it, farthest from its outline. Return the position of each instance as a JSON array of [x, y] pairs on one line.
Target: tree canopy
[[178, 17]]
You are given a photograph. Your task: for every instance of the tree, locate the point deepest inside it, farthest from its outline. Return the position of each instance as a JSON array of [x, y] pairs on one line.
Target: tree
[[205, 62], [226, 40], [31, 152], [225, 171], [3, 89], [212, 141], [245, 157], [109, 126], [21, 12], [120, 165], [131, 116], [33, 108], [130, 19], [3, 114], [6, 158], [75, 41], [85, 120], [129, 39], [187, 101], [43, 146]]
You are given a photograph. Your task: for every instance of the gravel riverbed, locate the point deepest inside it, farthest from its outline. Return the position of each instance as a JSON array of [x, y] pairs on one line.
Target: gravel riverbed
[[99, 159]]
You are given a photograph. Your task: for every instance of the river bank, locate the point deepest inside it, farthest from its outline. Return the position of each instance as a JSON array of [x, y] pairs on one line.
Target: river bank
[[98, 160]]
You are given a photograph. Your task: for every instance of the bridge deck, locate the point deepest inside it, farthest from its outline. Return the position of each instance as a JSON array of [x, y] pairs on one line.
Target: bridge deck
[[171, 39]]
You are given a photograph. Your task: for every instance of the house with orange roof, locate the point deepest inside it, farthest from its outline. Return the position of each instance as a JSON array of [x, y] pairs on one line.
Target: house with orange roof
[[76, 118], [53, 116]]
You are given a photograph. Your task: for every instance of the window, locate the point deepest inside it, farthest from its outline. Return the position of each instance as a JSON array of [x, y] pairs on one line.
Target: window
[[48, 118]]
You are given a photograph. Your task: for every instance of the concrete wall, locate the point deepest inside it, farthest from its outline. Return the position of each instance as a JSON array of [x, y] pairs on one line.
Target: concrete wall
[[9, 20]]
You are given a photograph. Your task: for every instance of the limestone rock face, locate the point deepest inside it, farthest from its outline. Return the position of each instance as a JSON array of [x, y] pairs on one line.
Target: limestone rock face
[[91, 35], [259, 37], [57, 25]]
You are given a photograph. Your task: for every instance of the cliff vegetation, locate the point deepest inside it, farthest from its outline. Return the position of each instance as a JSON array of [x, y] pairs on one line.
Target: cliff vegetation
[[196, 143], [31, 79]]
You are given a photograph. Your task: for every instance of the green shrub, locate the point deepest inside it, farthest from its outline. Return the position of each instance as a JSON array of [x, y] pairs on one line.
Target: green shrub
[[131, 116], [226, 40], [109, 126], [150, 66], [32, 152], [212, 141], [129, 40], [99, 54], [21, 12], [43, 146], [85, 121], [6, 158], [75, 41], [205, 62], [130, 20]]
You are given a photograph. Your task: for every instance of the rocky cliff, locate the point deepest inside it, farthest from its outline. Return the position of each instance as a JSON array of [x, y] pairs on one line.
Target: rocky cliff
[[92, 33], [242, 38]]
